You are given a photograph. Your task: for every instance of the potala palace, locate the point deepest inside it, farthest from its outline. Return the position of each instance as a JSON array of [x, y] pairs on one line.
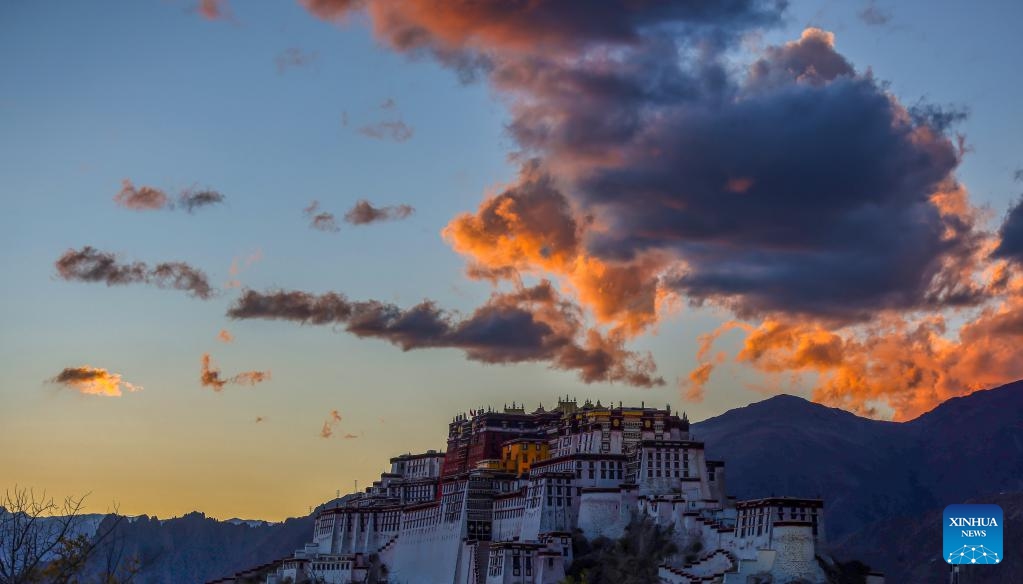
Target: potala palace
[[500, 505]]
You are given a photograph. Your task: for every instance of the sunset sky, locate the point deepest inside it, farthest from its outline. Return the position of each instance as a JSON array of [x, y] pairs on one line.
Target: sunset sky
[[694, 207]]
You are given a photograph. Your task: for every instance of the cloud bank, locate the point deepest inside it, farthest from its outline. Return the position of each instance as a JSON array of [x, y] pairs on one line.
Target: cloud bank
[[530, 324], [790, 190]]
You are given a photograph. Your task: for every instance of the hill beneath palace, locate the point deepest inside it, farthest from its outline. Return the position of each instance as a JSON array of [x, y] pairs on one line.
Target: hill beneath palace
[[885, 484]]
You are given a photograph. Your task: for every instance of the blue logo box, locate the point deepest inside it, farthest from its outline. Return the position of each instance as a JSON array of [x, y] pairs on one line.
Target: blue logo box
[[972, 534]]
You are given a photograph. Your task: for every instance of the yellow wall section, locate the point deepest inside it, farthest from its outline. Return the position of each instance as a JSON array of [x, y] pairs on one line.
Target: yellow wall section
[[517, 456]]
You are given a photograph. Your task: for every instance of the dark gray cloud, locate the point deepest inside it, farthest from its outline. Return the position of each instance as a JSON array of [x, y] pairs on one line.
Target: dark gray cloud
[[874, 15], [834, 216], [1011, 245], [363, 212], [802, 188], [530, 324], [91, 265], [937, 117], [191, 199]]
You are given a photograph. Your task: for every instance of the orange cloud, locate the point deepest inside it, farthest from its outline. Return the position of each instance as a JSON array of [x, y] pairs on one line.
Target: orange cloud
[[531, 228], [895, 366], [225, 336], [693, 384], [210, 376], [94, 381], [141, 198], [214, 9], [239, 265], [328, 426]]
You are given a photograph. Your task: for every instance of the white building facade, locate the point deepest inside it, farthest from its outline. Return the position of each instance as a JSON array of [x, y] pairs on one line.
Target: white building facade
[[474, 515]]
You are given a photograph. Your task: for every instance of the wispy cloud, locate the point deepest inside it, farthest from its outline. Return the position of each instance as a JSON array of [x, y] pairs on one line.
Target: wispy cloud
[[91, 265], [364, 213], [225, 336], [392, 127], [395, 130], [293, 58], [874, 15], [89, 380], [531, 324], [239, 265], [329, 424], [192, 199], [320, 220], [211, 377]]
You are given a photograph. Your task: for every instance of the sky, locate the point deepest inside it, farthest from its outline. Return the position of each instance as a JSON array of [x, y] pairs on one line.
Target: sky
[[254, 249]]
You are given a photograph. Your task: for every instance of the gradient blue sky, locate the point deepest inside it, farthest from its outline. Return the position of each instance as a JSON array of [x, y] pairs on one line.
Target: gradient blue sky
[[97, 92]]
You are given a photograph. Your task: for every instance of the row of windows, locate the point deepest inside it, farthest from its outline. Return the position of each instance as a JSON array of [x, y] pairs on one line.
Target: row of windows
[[668, 453], [651, 473], [430, 516], [508, 513], [666, 464], [757, 518], [377, 521], [326, 566]]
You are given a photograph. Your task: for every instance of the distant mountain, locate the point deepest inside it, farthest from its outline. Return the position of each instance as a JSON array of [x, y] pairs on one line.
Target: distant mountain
[[874, 472], [868, 470], [195, 548]]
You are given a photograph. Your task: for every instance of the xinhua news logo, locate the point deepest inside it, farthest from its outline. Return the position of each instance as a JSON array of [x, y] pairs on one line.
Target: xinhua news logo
[[972, 534]]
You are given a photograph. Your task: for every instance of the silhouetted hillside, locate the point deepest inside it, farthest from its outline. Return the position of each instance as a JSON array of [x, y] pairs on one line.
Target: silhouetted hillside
[[869, 470], [195, 548]]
